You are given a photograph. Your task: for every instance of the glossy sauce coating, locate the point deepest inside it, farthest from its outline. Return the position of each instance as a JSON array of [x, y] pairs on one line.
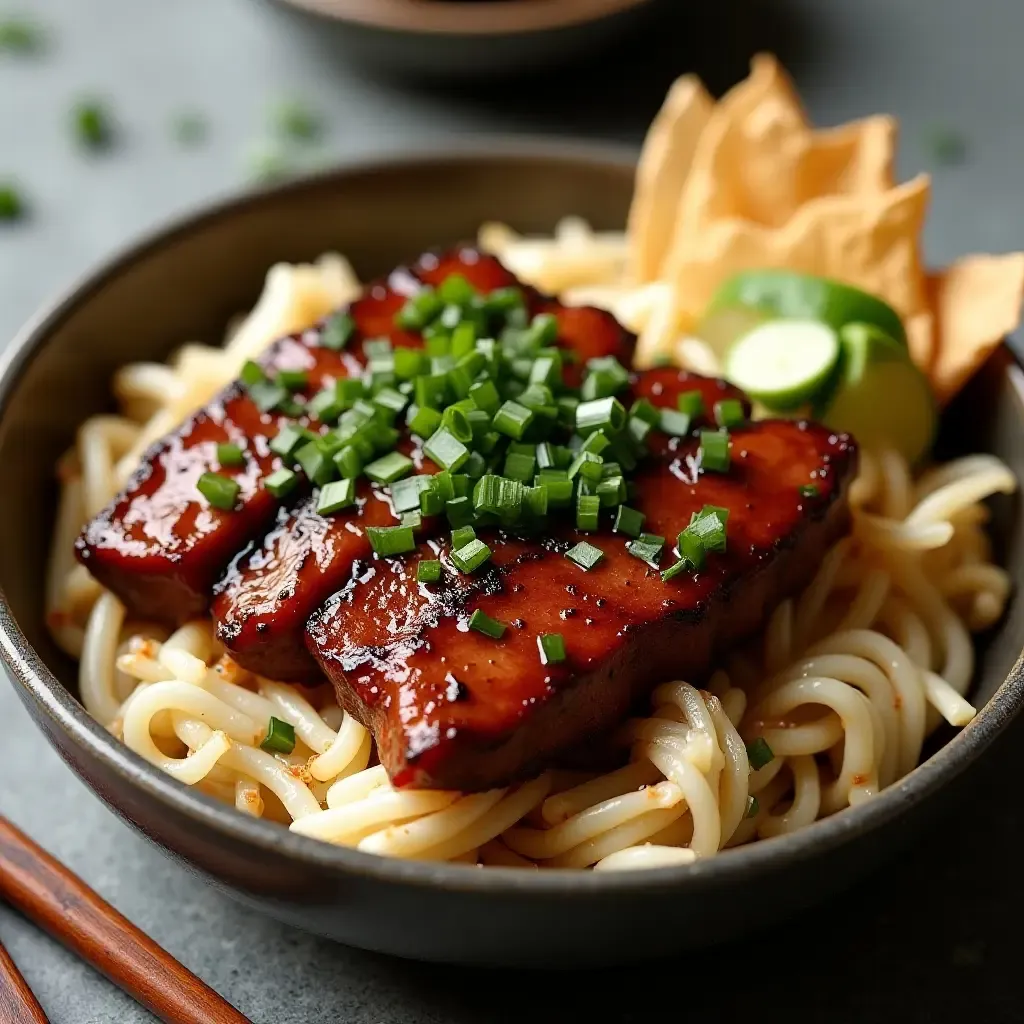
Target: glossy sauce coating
[[271, 588], [269, 592], [453, 708], [160, 545]]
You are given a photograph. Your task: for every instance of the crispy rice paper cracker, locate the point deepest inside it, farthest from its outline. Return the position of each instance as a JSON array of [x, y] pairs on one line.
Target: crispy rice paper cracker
[[661, 175], [869, 242], [757, 118], [977, 302]]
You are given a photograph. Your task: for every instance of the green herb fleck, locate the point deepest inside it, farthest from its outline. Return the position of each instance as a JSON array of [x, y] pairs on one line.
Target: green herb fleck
[[189, 128], [93, 124]]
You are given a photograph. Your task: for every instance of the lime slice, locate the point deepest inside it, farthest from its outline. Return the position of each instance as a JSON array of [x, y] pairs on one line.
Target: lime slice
[[721, 327], [786, 293], [784, 363], [882, 397]]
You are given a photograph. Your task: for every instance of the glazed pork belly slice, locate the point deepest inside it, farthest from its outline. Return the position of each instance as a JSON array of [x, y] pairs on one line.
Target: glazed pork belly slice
[[160, 546], [271, 588], [452, 708], [264, 600]]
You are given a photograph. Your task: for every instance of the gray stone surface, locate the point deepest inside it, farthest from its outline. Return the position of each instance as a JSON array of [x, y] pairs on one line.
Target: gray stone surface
[[918, 942]]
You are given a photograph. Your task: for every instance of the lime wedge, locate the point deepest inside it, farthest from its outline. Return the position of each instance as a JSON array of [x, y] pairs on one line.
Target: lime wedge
[[721, 327], [786, 293], [784, 363], [882, 397]]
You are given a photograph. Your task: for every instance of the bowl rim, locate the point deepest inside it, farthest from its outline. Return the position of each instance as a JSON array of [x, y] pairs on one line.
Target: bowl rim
[[37, 683], [482, 18]]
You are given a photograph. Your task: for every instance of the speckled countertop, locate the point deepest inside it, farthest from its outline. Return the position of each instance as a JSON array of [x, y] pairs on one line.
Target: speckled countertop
[[934, 937]]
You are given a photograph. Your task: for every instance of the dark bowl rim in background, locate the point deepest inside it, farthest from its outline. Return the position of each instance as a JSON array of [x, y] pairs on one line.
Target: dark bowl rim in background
[[39, 685], [476, 18]]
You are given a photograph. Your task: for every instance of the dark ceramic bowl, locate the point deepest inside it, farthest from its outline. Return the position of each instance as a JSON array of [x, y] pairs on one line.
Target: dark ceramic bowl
[[459, 39], [185, 283]]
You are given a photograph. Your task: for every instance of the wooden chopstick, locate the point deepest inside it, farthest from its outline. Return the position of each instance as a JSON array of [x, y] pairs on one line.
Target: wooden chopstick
[[17, 1004], [65, 907]]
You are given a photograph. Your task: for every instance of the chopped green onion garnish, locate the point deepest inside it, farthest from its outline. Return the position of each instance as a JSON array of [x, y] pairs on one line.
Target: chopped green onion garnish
[[677, 424], [639, 429], [425, 421], [588, 508], [512, 419], [391, 540], [455, 289], [470, 557], [607, 414], [230, 456], [485, 396], [419, 310], [338, 331], [709, 529], [503, 300], [643, 410], [390, 402], [543, 330], [446, 450], [324, 405], [551, 647], [596, 443], [586, 465], [428, 570], [431, 503], [729, 413], [412, 518], [675, 569], [759, 753], [459, 511], [267, 395], [691, 549], [606, 376], [585, 555], [409, 363], [628, 521], [721, 514], [692, 403], [405, 494], [462, 536], [281, 483], [93, 125], [11, 204], [649, 553], [714, 450], [483, 623], [348, 461], [455, 421], [293, 380], [519, 467], [189, 127], [545, 456], [809, 491], [388, 468], [296, 119], [280, 737], [612, 491], [20, 36], [348, 391], [220, 491], [335, 496], [753, 807], [315, 463]]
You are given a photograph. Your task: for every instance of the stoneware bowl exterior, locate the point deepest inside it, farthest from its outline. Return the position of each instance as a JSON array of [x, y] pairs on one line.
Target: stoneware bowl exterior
[[448, 40], [185, 283]]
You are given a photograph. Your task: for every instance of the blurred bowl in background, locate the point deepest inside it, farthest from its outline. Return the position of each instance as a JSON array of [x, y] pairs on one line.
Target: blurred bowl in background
[[453, 39]]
